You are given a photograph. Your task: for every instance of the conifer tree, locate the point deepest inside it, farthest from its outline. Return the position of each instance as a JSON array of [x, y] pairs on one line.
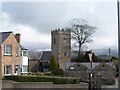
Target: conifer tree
[[53, 64]]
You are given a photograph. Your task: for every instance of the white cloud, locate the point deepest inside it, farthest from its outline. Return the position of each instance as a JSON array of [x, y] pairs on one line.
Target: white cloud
[[32, 20], [7, 25], [91, 10], [29, 36]]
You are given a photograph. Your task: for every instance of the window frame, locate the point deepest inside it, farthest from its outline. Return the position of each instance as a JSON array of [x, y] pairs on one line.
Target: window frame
[[6, 69], [24, 69], [23, 53], [8, 53], [16, 69]]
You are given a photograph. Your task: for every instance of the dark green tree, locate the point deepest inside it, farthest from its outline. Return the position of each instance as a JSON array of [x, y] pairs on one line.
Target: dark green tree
[[58, 72], [83, 57], [79, 58], [53, 65]]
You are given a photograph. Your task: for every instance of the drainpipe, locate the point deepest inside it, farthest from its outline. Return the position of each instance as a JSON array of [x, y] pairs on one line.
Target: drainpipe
[[118, 40]]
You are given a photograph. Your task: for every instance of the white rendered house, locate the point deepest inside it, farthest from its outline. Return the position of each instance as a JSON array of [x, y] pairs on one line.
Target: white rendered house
[[24, 60]]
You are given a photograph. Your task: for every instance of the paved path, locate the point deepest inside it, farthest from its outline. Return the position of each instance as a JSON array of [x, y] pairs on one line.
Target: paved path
[[111, 86]]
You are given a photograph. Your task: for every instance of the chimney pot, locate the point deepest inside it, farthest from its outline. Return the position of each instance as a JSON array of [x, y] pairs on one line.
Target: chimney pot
[[17, 36]]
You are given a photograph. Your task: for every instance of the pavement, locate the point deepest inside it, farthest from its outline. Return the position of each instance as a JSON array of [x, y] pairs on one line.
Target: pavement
[[111, 87], [116, 81]]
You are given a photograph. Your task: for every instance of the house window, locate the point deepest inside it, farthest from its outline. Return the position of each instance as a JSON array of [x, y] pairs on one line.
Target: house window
[[17, 51], [7, 70], [24, 53], [7, 49], [17, 69], [25, 69]]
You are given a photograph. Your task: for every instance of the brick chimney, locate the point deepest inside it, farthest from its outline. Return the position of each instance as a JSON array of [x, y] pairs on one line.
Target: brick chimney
[[17, 36]]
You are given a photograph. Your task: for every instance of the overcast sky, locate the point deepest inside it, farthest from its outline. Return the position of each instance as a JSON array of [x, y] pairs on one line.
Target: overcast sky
[[35, 20]]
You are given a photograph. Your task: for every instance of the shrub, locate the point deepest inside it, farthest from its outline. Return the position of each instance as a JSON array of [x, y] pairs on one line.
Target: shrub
[[58, 72], [55, 80], [108, 81]]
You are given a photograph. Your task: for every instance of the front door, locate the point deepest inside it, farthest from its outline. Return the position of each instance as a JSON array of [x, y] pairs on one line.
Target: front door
[[17, 70]]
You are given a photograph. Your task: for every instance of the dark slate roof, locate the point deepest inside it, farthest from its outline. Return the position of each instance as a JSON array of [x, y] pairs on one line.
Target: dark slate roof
[[23, 48], [3, 36], [46, 55], [87, 64], [41, 55], [34, 55]]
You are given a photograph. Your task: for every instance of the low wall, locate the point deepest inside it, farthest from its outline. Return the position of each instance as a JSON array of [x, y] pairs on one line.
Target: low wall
[[7, 84], [10, 85]]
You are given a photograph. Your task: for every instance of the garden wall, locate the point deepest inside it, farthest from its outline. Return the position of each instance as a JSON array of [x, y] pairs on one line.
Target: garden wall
[[10, 85], [43, 85]]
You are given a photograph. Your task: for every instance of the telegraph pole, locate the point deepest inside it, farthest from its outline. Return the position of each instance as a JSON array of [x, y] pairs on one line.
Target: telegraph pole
[[110, 62], [118, 40]]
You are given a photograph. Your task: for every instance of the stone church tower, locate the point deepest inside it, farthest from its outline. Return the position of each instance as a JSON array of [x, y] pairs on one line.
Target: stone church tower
[[61, 46]]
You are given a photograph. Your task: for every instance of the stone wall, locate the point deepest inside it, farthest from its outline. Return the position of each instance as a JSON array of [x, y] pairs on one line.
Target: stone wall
[[34, 65], [10, 85], [61, 46], [36, 85]]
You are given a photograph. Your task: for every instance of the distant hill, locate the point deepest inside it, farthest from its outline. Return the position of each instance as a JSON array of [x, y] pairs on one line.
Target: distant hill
[[113, 52]]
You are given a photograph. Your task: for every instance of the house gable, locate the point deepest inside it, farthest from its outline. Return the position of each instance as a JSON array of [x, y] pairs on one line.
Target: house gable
[[4, 36], [10, 39]]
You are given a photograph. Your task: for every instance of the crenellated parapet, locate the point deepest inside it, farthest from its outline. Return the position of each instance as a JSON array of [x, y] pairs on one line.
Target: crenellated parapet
[[58, 30]]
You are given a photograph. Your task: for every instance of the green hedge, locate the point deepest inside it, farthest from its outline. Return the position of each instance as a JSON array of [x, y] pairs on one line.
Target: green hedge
[[108, 81], [55, 80], [58, 72]]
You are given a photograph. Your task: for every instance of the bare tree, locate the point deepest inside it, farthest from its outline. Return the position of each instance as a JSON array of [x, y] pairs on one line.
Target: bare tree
[[81, 32]]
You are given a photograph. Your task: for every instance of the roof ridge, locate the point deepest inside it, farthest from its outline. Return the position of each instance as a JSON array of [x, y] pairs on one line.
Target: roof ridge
[[41, 55], [6, 32]]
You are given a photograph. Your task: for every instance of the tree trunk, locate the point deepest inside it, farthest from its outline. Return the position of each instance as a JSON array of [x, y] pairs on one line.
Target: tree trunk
[[79, 52]]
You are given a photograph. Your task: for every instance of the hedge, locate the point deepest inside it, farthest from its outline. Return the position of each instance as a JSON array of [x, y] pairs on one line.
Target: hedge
[[58, 72], [108, 81], [55, 80]]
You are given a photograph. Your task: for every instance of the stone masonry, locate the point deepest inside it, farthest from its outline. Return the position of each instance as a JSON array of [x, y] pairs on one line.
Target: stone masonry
[[61, 46]]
